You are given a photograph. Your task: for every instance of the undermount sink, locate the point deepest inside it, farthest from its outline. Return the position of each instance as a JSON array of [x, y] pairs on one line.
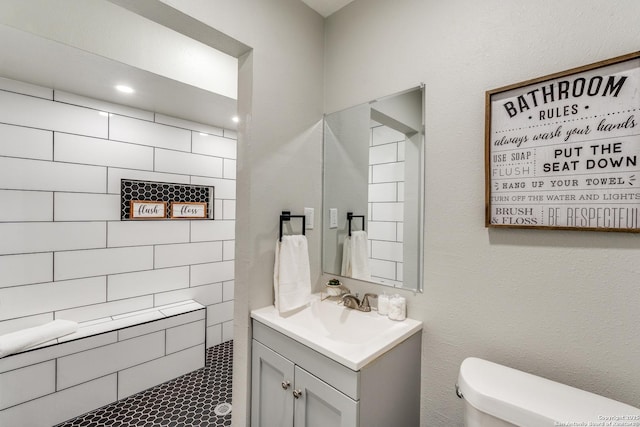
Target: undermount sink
[[350, 337]]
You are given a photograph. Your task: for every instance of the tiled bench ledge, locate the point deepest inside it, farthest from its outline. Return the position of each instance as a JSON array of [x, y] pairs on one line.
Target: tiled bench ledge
[[104, 361]]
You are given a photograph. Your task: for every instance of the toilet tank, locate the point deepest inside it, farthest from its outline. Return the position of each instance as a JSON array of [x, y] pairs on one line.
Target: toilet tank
[[497, 395]]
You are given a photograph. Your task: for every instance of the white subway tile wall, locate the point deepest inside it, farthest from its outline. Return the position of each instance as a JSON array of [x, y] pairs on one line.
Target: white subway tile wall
[[64, 252], [386, 207]]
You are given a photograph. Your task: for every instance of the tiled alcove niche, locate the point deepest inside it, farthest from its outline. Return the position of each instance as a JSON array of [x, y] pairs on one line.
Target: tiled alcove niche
[[66, 253]]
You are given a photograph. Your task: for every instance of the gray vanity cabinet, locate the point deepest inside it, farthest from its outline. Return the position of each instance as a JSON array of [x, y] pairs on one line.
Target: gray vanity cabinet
[[295, 386]]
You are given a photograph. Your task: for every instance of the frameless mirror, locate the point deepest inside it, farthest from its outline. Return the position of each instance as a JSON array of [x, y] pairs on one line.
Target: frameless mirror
[[373, 191]]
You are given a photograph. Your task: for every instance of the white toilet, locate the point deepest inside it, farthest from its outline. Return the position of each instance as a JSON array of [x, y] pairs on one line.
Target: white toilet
[[498, 396]]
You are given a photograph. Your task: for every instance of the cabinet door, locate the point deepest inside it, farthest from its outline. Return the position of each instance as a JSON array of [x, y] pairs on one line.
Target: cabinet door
[[320, 405], [271, 388]]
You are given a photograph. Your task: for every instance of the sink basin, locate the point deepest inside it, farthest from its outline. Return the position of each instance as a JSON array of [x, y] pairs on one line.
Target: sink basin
[[350, 337]]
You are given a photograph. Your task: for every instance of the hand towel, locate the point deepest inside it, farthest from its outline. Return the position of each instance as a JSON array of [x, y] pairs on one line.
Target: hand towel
[[291, 273], [360, 255], [346, 257], [15, 342]]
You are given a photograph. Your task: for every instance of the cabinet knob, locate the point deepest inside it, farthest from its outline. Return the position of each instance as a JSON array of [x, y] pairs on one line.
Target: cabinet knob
[[297, 393], [285, 384]]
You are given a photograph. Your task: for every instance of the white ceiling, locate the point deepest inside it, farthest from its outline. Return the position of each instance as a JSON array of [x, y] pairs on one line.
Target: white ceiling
[[327, 7], [36, 60]]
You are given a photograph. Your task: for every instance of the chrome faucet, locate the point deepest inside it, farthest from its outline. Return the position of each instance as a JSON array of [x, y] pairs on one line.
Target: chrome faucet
[[352, 301]]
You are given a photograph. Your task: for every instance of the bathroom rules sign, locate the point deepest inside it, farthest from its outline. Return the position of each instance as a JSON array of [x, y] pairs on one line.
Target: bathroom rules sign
[[563, 151]]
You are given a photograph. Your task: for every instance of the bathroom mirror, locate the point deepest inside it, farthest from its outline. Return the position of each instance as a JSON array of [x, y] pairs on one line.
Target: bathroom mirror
[[374, 174]]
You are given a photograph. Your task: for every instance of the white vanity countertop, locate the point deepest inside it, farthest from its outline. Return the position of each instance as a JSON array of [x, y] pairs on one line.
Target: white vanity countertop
[[350, 337]]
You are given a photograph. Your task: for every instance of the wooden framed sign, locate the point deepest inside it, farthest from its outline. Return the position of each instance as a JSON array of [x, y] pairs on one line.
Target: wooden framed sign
[[188, 210], [563, 151], [144, 209]]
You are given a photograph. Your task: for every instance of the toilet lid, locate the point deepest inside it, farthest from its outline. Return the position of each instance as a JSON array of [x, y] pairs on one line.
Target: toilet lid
[[528, 400]]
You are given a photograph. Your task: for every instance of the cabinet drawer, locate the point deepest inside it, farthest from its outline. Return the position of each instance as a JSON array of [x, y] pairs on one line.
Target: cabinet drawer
[[329, 371]]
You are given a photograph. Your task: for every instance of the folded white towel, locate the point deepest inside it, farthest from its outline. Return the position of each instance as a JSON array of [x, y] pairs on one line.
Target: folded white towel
[[291, 273], [15, 342], [359, 255]]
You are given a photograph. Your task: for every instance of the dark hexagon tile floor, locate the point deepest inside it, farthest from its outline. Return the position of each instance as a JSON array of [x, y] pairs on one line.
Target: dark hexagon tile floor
[[187, 401]]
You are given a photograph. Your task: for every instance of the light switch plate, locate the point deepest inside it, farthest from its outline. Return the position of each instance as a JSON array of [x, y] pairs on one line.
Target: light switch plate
[[308, 213], [333, 218]]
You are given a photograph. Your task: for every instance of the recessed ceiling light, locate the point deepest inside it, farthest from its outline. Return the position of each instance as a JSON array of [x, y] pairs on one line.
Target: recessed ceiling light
[[124, 89], [235, 119]]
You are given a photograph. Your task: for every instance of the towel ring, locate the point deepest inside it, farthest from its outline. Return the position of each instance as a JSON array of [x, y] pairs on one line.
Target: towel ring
[[350, 216], [286, 216]]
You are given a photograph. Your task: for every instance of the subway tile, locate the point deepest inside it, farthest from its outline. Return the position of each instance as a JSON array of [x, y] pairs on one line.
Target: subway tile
[[108, 107], [88, 365], [385, 135], [115, 176], [25, 88], [187, 253], [97, 262], [26, 269], [188, 164], [127, 285], [146, 375], [27, 383], [399, 271], [401, 151], [49, 236], [205, 295], [28, 143], [185, 336], [102, 152], [86, 207], [138, 233], [381, 230], [391, 251], [217, 209], [228, 250], [32, 357], [386, 153], [26, 206], [387, 212], [228, 290], [227, 331], [162, 324], [400, 191], [400, 232], [142, 132], [96, 311], [187, 124], [214, 335], [219, 313], [19, 323], [386, 192], [21, 174], [224, 188], [58, 407], [390, 172], [382, 268], [229, 209], [229, 133], [212, 230], [229, 169], [213, 145], [45, 114], [46, 297], [212, 273]]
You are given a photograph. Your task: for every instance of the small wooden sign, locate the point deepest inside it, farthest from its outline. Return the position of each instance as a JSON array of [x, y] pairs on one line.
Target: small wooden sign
[[143, 209], [188, 210]]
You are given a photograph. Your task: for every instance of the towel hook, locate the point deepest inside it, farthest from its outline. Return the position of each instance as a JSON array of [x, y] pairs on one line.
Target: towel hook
[[286, 216], [350, 216]]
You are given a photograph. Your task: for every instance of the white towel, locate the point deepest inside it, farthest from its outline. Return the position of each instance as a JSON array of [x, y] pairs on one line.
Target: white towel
[[355, 256], [15, 342], [291, 273]]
